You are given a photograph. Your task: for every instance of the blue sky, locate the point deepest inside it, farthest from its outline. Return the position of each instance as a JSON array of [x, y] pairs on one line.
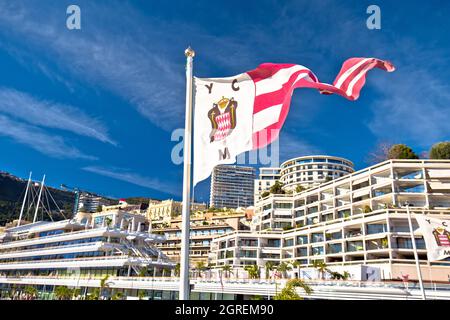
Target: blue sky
[[95, 108]]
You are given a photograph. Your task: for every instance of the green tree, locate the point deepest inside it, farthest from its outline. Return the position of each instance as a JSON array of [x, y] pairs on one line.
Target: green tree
[[104, 286], [321, 266], [63, 293], [277, 188], [177, 269], [31, 291], [227, 270], [253, 271], [269, 266], [117, 296], [94, 295], [345, 275], [141, 294], [440, 151], [143, 272], [297, 264], [299, 188], [200, 267], [289, 292], [265, 194], [284, 268], [401, 151]]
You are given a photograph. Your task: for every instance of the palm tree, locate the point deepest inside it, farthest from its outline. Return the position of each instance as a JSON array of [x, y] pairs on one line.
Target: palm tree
[[345, 275], [141, 294], [95, 295], [253, 271], [289, 292], [269, 266], [143, 272], [284, 268], [117, 296], [31, 292], [200, 267], [321, 267], [104, 285], [297, 264], [227, 269], [177, 270], [63, 293]]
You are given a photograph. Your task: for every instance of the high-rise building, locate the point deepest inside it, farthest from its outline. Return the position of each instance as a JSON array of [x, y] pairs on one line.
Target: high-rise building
[[90, 202], [232, 186]]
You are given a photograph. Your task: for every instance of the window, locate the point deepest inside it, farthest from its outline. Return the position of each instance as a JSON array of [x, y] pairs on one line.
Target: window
[[376, 228], [317, 237], [317, 250], [288, 242], [273, 243], [281, 205], [302, 239]]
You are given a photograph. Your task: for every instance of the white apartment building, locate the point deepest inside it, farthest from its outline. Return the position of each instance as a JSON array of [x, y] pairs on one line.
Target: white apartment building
[[307, 171], [311, 171], [267, 178], [358, 219]]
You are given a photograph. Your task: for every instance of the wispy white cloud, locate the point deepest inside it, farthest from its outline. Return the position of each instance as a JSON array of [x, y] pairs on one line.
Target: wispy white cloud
[[36, 138], [124, 60], [291, 146], [413, 109], [49, 114], [133, 178]]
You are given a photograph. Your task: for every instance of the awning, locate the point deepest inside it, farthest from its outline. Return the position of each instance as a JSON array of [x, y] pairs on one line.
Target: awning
[[439, 173], [439, 185], [334, 230], [360, 180], [361, 193]]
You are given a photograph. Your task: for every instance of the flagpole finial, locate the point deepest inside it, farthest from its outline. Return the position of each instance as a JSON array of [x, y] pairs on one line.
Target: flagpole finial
[[189, 52]]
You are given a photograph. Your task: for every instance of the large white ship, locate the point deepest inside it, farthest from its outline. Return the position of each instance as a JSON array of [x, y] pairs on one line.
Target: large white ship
[[113, 243]]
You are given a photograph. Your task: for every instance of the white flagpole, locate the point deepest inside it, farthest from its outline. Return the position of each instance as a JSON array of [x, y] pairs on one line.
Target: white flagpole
[[185, 227], [416, 256]]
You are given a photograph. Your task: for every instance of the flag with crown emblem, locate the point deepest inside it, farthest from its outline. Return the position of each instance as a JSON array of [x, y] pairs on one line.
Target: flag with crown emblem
[[436, 233], [237, 114]]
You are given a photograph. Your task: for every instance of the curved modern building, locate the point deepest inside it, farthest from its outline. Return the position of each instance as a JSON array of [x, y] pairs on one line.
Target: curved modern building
[[309, 171]]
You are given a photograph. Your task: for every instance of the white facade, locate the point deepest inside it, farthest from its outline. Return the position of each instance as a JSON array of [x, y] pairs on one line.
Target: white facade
[[311, 171], [356, 219], [267, 178]]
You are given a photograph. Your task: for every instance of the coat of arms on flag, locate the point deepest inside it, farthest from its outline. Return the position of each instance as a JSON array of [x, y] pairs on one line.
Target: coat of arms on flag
[[223, 118], [237, 114], [436, 233]]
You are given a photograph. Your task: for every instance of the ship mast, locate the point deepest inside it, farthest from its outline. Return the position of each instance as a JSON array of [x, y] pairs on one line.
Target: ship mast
[[24, 200], [39, 199]]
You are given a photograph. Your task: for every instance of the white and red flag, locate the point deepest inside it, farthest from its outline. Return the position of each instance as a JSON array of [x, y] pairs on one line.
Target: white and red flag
[[436, 233], [245, 112]]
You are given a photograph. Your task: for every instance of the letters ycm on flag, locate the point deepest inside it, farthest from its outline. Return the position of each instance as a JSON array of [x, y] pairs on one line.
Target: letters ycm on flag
[[245, 112], [436, 233]]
